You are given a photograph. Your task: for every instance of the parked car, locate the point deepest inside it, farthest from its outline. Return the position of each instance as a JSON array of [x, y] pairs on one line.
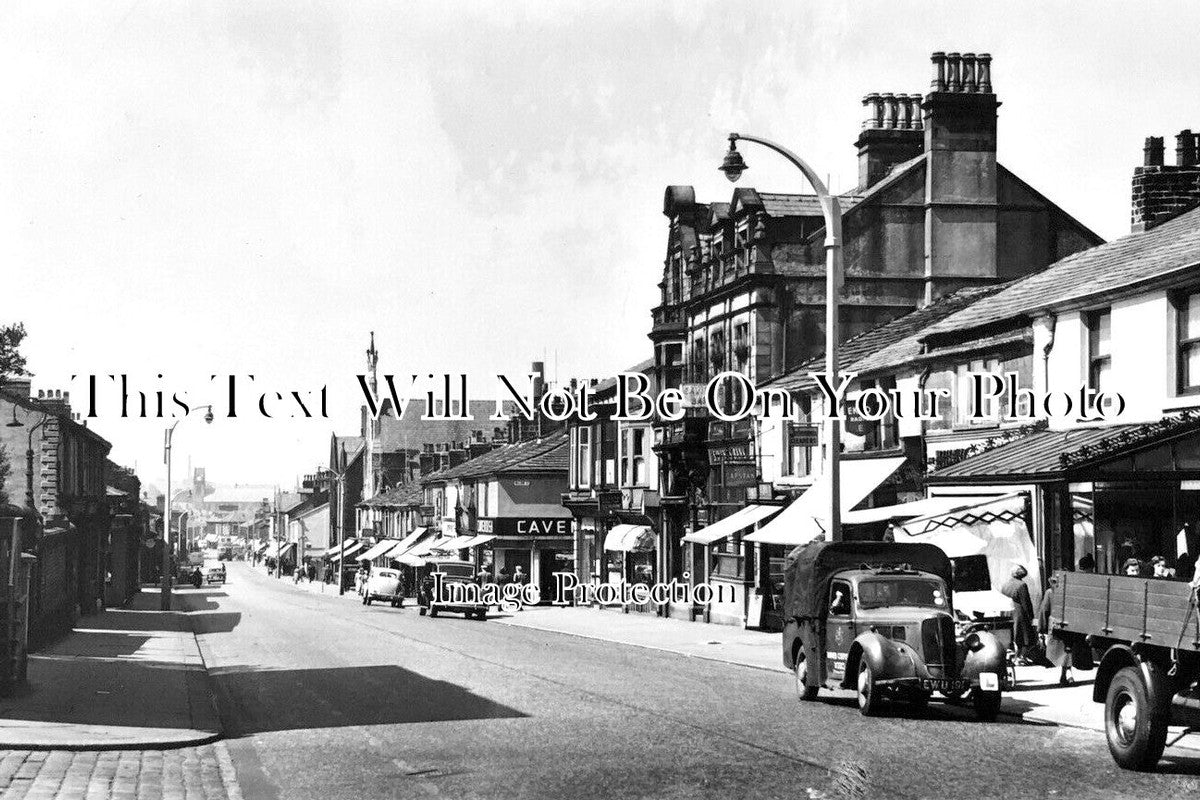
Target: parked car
[[877, 617], [385, 584], [1144, 633], [214, 572], [460, 590]]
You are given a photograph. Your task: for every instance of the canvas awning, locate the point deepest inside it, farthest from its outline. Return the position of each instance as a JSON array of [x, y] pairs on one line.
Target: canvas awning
[[801, 522], [410, 541], [285, 550], [333, 551], [738, 520], [483, 538], [352, 549], [379, 549], [629, 539], [917, 508], [425, 548], [456, 543], [410, 560]]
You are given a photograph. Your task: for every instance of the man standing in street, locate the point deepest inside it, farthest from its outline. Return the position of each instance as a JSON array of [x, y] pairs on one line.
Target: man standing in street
[[1017, 590]]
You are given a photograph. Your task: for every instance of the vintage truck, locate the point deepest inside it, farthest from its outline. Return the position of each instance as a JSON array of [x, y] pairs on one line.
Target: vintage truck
[[1143, 635], [878, 618]]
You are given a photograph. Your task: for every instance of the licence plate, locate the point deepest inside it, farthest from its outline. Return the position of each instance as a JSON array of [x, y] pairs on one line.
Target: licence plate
[[943, 684]]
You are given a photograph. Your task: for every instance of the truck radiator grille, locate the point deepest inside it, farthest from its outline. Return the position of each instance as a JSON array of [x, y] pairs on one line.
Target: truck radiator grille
[[937, 640]]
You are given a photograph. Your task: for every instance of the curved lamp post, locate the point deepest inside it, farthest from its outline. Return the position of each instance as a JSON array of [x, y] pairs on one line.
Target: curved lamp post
[[733, 166], [166, 540]]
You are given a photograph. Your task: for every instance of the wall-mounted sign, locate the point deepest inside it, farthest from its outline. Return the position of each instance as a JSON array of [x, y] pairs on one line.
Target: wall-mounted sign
[[801, 434], [740, 475], [525, 526], [731, 453]]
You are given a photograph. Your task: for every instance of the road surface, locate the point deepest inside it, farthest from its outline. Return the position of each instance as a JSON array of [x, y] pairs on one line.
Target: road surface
[[323, 697]]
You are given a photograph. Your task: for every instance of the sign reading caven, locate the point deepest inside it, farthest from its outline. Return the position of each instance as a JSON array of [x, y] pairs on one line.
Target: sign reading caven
[[524, 526]]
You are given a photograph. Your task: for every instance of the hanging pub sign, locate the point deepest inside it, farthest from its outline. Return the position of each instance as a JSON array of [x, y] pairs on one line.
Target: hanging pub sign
[[736, 475], [524, 526]]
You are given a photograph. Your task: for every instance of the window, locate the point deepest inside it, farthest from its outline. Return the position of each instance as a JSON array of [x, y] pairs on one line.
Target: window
[[633, 457], [1187, 343], [799, 438], [839, 599], [583, 458], [963, 407], [699, 353], [741, 345], [1099, 330]]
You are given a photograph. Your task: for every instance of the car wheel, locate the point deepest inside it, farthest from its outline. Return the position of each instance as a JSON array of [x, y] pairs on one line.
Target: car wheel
[[868, 698], [800, 670], [432, 611], [1135, 728], [920, 700], [987, 705]]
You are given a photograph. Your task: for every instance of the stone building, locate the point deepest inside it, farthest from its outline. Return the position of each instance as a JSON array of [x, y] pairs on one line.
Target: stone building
[[1161, 191]]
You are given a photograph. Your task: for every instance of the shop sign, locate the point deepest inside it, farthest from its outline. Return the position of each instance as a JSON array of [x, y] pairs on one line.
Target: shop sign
[[732, 453], [564, 556], [740, 475], [717, 431], [525, 526], [802, 435], [693, 395]]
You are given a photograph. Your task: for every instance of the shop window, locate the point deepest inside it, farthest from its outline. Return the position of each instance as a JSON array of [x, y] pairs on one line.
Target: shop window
[[1099, 334], [1187, 343]]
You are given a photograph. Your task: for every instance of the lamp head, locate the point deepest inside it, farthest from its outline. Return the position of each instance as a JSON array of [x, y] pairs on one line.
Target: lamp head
[[208, 415], [15, 423], [733, 166]]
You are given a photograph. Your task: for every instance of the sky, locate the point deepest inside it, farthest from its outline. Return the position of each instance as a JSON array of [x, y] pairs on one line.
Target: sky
[[212, 188]]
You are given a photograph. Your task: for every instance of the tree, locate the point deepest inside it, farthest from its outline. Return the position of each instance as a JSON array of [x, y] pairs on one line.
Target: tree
[[5, 469], [12, 363]]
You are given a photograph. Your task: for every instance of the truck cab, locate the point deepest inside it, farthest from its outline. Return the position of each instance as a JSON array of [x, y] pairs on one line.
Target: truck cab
[[878, 618]]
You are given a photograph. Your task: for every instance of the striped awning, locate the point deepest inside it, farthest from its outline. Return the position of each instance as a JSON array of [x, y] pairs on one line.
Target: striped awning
[[629, 539]]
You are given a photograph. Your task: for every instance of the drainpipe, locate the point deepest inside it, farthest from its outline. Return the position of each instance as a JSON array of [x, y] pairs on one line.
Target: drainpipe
[[1051, 324]]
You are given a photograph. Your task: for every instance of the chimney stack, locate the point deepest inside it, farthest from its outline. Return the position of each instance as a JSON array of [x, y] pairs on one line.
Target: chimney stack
[[891, 135], [1162, 191]]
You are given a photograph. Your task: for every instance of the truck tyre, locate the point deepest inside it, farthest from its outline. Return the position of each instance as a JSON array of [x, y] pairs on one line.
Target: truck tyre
[[868, 698], [987, 705], [1134, 723], [800, 669]]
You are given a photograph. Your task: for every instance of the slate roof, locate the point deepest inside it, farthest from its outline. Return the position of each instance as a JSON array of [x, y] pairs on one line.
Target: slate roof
[[408, 494], [799, 205], [1048, 454], [544, 455], [1123, 264], [412, 433], [887, 345]]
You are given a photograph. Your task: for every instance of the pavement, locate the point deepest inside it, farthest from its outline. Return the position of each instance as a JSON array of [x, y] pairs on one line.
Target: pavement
[[126, 679]]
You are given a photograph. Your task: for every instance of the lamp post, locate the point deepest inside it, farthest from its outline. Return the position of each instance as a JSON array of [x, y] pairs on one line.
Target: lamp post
[[166, 540], [733, 166]]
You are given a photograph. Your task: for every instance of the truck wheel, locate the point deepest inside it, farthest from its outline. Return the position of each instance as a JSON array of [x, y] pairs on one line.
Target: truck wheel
[[1135, 727], [800, 669], [987, 705], [868, 698]]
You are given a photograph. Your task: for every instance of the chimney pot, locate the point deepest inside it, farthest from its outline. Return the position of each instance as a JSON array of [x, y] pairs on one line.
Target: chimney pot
[[889, 110], [1185, 149], [874, 111], [954, 72], [938, 84], [1153, 151], [914, 100], [968, 72], [983, 72]]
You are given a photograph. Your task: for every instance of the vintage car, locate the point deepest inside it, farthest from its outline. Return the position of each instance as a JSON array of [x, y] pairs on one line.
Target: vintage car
[[386, 585], [878, 618], [214, 572], [459, 589]]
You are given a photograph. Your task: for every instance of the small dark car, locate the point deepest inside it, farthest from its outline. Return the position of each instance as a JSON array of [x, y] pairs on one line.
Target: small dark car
[[458, 581], [877, 617]]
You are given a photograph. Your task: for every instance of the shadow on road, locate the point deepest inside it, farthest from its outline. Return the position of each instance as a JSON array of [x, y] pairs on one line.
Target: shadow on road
[[259, 701]]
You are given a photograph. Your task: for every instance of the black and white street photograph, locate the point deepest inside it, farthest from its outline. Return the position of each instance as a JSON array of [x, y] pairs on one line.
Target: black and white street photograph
[[543, 400]]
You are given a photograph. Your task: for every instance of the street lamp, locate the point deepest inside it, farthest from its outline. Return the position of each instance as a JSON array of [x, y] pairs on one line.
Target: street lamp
[[166, 540], [733, 166], [16, 423]]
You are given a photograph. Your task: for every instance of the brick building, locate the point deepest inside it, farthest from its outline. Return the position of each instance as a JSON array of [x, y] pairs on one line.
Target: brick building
[[1161, 191]]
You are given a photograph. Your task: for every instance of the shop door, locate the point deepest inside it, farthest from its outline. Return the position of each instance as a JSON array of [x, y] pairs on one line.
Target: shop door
[[547, 566]]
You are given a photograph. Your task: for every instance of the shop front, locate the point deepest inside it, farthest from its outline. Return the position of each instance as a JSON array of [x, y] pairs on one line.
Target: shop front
[[530, 549]]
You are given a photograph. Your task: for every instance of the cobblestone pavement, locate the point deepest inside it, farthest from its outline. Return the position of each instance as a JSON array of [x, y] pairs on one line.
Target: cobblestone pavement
[[190, 773]]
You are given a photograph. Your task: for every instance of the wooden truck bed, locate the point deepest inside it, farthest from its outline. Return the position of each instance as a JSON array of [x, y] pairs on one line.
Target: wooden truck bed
[[1137, 610]]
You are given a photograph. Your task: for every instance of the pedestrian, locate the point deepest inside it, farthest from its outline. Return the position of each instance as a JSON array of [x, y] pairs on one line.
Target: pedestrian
[[505, 577], [1161, 570], [519, 576], [310, 570], [1017, 590], [1185, 566], [1087, 563], [364, 574], [1132, 568]]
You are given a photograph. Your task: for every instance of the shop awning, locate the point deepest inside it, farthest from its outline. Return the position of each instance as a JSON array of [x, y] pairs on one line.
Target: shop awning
[[451, 545], [288, 549], [801, 522], [425, 548], [410, 541], [262, 548], [352, 549], [917, 508], [410, 560], [738, 520], [379, 549], [629, 539], [333, 551], [483, 538]]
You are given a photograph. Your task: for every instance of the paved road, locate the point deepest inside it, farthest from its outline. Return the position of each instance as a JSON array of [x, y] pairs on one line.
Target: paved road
[[323, 697]]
